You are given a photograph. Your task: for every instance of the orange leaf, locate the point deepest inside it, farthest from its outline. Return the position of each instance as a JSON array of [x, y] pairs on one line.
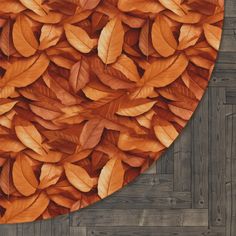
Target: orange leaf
[[79, 38], [25, 209], [29, 135], [23, 37], [50, 174], [91, 133], [165, 71], [111, 41], [213, 35], [162, 37], [23, 176], [24, 72], [35, 6], [78, 177], [111, 178]]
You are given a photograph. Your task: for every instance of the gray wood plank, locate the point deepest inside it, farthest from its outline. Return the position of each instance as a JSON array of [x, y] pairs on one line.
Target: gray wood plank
[[8, 230], [231, 96], [200, 149], [182, 161], [173, 200], [154, 231], [233, 175], [144, 217], [217, 156], [25, 229], [228, 151], [78, 231], [61, 226], [165, 165]]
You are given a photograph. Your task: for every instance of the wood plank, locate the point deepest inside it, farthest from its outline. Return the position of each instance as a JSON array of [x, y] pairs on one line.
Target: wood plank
[[182, 160], [145, 217], [173, 200], [155, 185], [43, 228], [78, 231], [217, 156], [165, 165], [231, 96], [233, 176], [60, 226], [230, 6], [228, 151], [25, 229], [200, 149], [154, 231], [8, 230]]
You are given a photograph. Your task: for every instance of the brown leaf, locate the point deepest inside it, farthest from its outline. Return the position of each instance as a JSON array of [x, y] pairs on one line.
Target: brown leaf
[[127, 67], [34, 5], [6, 105], [79, 38], [25, 209], [50, 35], [162, 37], [23, 176], [148, 6], [111, 178], [165, 71], [165, 132], [91, 133], [29, 135], [50, 174], [78, 177], [23, 37], [79, 74], [213, 35], [111, 41], [25, 71]]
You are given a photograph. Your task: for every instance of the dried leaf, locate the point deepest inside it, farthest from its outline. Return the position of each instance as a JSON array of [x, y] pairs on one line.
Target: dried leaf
[[23, 37], [111, 41], [23, 176], [78, 177], [29, 135], [50, 174], [25, 71], [79, 38], [111, 178], [213, 35], [162, 37], [25, 209], [91, 133]]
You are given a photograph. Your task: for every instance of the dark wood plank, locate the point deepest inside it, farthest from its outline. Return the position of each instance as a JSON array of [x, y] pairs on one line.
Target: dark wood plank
[[154, 231], [182, 160], [61, 226], [217, 156], [200, 149], [165, 165]]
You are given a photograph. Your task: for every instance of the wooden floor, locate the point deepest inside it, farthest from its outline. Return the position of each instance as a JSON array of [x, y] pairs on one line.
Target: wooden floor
[[191, 191]]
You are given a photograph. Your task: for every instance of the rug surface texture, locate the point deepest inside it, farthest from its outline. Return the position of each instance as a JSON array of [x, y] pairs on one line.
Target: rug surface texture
[[92, 92]]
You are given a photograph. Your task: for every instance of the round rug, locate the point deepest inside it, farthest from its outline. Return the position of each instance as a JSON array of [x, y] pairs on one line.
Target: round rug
[[92, 92]]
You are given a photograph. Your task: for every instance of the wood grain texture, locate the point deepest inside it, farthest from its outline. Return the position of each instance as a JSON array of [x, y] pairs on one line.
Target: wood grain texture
[[192, 190]]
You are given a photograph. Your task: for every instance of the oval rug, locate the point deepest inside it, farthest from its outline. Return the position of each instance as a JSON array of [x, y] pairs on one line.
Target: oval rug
[[92, 92]]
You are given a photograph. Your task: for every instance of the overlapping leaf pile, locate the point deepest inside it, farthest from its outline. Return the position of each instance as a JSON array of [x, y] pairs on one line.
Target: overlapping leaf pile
[[92, 92]]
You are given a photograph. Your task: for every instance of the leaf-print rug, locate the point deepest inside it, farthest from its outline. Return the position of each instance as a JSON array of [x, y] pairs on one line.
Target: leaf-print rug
[[93, 92]]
